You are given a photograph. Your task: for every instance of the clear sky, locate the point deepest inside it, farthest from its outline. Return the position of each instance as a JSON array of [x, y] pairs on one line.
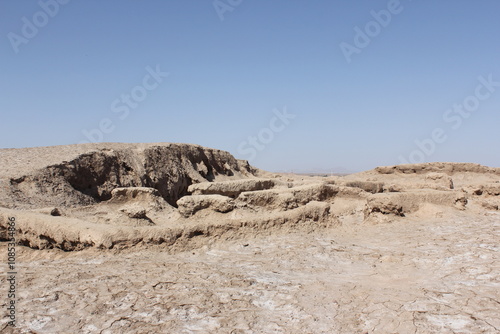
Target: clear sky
[[291, 85]]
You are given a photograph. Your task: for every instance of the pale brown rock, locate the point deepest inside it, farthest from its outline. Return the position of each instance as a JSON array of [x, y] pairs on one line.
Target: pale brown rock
[[231, 188], [189, 205]]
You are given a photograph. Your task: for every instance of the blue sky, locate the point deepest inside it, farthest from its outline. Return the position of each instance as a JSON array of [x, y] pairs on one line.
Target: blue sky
[[229, 78]]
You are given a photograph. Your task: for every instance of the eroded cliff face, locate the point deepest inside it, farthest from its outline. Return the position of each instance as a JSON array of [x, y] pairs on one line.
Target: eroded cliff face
[[89, 177]]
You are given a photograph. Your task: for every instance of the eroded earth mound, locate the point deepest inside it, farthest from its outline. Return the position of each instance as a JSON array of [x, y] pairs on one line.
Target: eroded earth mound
[[121, 195]]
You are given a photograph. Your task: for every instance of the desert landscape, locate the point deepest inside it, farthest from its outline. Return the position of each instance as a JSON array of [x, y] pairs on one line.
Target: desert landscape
[[180, 238]]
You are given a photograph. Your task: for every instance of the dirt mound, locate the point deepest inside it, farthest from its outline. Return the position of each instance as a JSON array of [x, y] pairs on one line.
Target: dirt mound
[[449, 168], [401, 204], [90, 176], [436, 176]]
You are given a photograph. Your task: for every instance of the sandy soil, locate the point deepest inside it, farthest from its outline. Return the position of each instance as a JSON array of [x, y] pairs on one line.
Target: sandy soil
[[179, 238], [409, 276]]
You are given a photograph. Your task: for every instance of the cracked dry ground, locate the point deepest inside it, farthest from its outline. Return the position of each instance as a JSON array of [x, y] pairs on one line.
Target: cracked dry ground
[[437, 276]]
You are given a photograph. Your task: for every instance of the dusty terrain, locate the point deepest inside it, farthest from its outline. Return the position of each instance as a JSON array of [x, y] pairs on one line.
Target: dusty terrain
[[177, 238]]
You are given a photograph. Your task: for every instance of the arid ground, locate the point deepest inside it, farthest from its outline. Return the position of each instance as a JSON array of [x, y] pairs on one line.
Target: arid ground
[[177, 238]]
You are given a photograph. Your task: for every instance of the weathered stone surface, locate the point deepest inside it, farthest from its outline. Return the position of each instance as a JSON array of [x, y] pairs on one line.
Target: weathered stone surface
[[231, 188], [189, 205], [400, 204], [371, 187], [286, 199], [449, 168]]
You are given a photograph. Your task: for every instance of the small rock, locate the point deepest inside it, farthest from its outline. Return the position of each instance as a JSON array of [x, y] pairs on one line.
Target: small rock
[[55, 212]]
